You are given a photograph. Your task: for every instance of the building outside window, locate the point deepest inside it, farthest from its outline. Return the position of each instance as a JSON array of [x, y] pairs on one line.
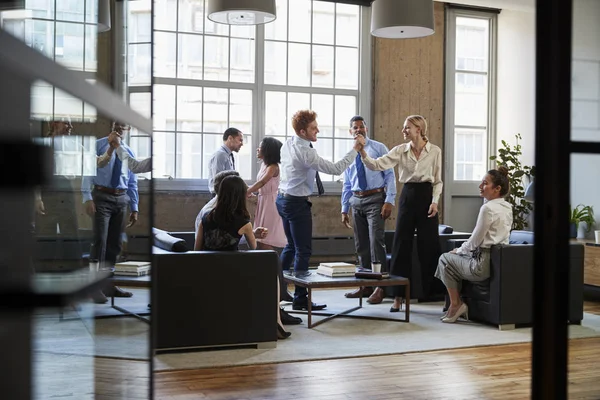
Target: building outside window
[[208, 77]]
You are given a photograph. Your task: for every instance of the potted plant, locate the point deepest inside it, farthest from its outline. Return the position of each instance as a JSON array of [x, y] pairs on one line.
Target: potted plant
[[579, 214], [510, 157]]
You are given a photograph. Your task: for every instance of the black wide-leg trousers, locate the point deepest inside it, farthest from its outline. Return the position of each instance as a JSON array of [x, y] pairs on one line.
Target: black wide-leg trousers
[[413, 207]]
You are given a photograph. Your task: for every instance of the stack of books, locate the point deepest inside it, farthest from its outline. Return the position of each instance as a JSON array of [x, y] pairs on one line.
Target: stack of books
[[336, 269], [132, 268]]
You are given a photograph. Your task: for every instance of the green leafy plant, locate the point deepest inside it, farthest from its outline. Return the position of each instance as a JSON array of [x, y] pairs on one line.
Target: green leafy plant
[[582, 213], [509, 156]]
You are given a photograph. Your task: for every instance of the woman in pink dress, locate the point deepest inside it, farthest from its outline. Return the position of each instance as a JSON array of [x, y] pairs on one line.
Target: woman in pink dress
[[267, 216], [267, 185]]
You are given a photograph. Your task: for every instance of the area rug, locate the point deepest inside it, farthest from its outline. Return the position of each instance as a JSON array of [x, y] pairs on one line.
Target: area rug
[[352, 337], [127, 338]]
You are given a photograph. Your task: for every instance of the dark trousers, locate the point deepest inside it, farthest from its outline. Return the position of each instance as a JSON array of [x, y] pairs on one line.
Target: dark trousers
[[108, 225], [296, 216], [369, 229], [413, 207]]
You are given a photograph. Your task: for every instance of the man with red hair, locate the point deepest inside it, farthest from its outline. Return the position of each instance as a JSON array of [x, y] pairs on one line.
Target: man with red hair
[[300, 167]]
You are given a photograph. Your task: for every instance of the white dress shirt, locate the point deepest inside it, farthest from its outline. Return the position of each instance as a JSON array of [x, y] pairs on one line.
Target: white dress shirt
[[493, 226], [428, 168], [299, 163]]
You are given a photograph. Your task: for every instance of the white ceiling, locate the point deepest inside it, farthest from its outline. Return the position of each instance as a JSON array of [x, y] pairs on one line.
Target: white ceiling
[[518, 5]]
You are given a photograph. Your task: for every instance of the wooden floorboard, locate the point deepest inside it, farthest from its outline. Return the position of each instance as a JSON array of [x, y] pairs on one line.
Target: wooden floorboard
[[492, 372]]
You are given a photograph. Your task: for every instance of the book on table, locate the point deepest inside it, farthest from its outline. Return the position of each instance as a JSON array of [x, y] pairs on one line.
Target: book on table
[[339, 269], [132, 268]]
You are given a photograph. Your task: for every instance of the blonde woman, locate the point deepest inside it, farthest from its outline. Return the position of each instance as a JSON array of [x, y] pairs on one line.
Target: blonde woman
[[419, 165]]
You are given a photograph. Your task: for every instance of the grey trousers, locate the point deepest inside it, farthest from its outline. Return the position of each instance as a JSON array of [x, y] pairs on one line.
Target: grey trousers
[[110, 215], [369, 229], [453, 268]]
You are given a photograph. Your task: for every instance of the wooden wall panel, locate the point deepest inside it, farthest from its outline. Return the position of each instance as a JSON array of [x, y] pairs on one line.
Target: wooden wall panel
[[408, 78]]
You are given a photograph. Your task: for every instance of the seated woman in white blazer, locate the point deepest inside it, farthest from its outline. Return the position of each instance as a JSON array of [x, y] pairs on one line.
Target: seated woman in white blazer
[[471, 261]]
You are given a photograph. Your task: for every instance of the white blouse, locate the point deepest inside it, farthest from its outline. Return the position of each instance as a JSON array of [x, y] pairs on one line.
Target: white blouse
[[428, 168], [493, 226]]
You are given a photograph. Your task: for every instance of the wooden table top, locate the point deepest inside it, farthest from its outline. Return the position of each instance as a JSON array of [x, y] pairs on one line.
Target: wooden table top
[[318, 280]]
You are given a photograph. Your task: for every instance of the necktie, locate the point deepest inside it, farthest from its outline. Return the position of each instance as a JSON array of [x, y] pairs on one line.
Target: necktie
[[232, 161], [320, 188], [116, 173], [360, 173]]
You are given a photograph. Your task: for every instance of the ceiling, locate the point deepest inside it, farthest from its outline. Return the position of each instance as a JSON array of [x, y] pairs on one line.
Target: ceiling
[[518, 5]]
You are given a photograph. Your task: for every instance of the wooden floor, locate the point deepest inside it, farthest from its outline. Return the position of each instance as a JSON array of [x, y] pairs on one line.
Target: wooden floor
[[494, 372]]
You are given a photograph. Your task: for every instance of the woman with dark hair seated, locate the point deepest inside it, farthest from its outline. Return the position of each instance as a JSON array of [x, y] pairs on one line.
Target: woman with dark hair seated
[[471, 261], [223, 227]]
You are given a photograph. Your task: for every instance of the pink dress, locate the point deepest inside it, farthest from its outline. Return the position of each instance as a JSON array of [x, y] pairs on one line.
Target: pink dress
[[266, 211]]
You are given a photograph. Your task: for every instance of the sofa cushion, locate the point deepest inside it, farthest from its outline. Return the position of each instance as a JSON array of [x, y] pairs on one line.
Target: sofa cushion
[[521, 237], [167, 242], [476, 290]]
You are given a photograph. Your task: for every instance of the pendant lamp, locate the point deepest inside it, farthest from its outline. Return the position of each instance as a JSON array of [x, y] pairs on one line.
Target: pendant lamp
[[6, 5], [104, 15], [402, 19], [241, 12]]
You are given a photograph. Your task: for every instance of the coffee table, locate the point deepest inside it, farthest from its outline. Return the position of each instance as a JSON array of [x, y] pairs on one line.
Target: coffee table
[[317, 281]]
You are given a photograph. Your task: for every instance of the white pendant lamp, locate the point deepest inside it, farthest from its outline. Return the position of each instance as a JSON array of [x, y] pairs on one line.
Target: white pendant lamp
[[402, 19], [104, 15], [241, 12]]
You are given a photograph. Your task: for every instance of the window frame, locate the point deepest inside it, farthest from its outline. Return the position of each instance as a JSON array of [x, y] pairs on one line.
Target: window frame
[[467, 188], [259, 90]]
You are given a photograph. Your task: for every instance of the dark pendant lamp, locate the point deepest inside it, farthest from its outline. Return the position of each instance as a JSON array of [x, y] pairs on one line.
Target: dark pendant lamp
[[402, 19], [242, 12], [103, 15]]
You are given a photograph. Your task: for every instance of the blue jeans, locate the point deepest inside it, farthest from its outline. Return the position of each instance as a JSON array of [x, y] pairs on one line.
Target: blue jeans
[[297, 223]]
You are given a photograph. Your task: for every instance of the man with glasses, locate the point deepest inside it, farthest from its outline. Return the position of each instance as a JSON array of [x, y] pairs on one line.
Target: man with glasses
[[106, 197]]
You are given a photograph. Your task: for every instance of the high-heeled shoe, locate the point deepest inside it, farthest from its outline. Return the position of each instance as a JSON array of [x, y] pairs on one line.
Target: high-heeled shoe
[[444, 316], [462, 310], [397, 309], [282, 333]]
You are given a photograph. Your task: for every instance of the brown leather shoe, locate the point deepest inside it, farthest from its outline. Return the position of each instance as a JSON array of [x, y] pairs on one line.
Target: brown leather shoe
[[376, 297], [362, 291]]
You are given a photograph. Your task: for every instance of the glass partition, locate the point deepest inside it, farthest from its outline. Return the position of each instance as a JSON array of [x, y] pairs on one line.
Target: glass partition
[[88, 232]]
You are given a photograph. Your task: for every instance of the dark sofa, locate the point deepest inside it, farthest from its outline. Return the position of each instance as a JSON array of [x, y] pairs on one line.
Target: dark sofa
[[213, 299], [506, 298]]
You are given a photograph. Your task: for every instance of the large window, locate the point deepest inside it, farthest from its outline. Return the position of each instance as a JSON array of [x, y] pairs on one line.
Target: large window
[[470, 104], [208, 77], [65, 31]]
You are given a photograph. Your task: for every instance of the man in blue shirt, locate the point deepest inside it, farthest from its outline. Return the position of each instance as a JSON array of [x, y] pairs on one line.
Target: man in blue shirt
[[106, 197], [223, 159], [371, 194]]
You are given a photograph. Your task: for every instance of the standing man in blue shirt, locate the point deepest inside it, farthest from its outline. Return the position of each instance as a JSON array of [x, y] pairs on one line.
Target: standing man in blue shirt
[[106, 197], [371, 194], [223, 159], [299, 168]]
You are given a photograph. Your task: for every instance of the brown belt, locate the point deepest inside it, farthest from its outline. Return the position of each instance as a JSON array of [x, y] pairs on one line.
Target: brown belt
[[365, 193], [109, 190]]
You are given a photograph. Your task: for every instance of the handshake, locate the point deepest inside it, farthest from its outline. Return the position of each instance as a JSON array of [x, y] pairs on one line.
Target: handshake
[[114, 139], [359, 143]]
